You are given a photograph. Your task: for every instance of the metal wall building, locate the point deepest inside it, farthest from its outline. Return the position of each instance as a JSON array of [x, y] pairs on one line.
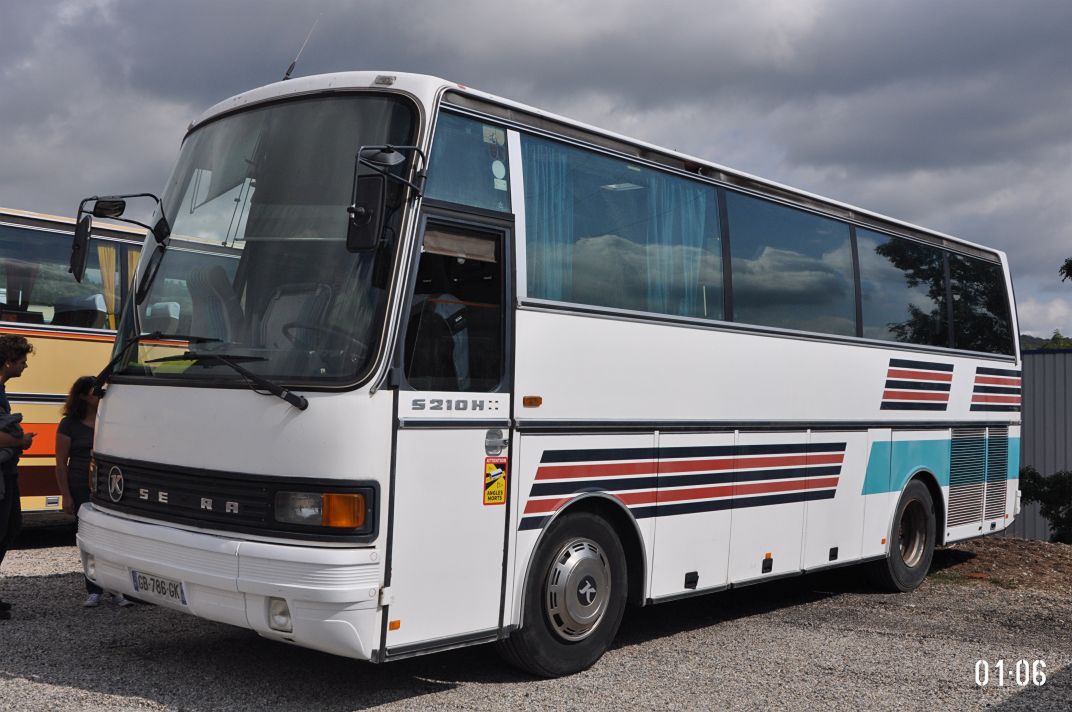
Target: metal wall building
[[1047, 419]]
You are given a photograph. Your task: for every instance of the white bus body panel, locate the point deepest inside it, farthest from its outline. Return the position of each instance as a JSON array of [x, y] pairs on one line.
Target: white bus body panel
[[340, 436], [332, 593]]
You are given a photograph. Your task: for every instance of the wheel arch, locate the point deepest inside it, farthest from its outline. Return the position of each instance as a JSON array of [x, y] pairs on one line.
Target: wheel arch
[[625, 526], [931, 483]]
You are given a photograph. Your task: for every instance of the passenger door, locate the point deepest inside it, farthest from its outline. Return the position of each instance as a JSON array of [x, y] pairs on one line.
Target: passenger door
[[452, 473]]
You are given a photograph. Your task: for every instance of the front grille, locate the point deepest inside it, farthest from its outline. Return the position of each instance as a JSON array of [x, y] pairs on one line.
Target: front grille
[[222, 500], [153, 490]]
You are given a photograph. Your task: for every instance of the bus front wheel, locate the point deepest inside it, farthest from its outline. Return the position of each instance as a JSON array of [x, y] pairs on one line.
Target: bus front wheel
[[911, 542], [574, 598]]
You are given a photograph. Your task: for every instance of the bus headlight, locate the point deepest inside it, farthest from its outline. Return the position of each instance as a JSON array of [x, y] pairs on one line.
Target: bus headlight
[[337, 510]]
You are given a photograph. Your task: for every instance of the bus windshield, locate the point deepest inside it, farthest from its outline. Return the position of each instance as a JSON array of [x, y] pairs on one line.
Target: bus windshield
[[266, 192]]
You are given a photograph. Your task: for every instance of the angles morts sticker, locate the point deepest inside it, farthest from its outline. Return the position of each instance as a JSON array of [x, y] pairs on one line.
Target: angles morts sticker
[[494, 480]]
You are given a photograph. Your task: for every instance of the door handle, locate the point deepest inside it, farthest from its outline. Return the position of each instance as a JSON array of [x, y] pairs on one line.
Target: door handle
[[495, 442]]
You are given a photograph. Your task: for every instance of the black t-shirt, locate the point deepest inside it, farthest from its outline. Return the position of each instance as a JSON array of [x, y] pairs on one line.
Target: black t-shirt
[[81, 436]]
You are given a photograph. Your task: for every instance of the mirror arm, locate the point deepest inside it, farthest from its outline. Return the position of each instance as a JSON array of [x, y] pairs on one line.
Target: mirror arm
[[161, 231], [417, 186], [421, 175]]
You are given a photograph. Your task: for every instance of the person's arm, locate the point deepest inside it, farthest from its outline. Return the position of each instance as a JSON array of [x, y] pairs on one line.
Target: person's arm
[[63, 455], [9, 440]]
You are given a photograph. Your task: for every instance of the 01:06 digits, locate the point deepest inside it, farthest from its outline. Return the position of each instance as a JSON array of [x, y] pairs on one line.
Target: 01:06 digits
[[1023, 673]]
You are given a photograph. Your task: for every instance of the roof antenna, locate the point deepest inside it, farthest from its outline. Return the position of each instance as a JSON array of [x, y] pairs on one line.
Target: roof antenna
[[290, 69]]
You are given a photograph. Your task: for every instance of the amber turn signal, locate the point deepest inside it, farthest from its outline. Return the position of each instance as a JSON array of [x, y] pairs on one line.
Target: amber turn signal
[[343, 511]]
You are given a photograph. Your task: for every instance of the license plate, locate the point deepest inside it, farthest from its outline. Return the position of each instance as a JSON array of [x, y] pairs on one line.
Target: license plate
[[158, 587]]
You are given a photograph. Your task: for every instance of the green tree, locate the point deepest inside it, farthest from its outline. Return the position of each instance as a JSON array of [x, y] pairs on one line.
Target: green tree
[[1057, 341], [1066, 270], [1054, 494]]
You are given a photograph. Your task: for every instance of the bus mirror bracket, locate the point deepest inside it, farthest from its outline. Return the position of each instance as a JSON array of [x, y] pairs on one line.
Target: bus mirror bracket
[[382, 159], [112, 207]]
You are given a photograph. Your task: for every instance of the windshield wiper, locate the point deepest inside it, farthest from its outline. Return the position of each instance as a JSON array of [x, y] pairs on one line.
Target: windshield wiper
[[106, 372], [255, 381]]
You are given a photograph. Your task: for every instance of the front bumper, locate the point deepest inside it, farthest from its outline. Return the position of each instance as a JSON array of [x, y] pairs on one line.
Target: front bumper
[[332, 593]]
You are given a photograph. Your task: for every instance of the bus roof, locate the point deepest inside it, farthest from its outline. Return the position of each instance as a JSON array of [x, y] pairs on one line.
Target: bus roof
[[45, 221]]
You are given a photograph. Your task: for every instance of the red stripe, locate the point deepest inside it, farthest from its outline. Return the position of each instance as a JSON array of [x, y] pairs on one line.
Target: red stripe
[[919, 375], [915, 396], [997, 381], [632, 498], [540, 506], [980, 398], [614, 469]]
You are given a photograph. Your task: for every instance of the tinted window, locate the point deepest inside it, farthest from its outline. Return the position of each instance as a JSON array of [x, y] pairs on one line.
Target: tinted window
[[981, 319], [607, 232], [469, 164], [36, 288], [790, 268], [902, 283]]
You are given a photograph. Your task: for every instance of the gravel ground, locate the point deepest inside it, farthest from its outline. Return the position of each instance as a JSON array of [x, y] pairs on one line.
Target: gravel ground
[[817, 642]]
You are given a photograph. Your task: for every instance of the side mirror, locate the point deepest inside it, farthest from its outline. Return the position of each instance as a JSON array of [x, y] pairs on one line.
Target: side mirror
[[80, 248], [366, 213], [109, 208]]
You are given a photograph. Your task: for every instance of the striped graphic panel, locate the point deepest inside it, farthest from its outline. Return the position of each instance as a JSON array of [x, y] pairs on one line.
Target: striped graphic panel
[[686, 480], [996, 389], [917, 385]]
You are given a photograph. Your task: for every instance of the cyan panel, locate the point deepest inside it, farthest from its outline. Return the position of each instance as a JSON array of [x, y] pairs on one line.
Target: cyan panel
[[891, 465], [1014, 458]]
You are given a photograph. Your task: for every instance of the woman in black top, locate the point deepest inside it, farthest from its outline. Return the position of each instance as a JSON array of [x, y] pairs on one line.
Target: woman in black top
[[74, 446]]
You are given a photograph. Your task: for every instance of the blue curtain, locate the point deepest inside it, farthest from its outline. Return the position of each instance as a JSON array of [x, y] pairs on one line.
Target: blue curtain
[[548, 218], [676, 236]]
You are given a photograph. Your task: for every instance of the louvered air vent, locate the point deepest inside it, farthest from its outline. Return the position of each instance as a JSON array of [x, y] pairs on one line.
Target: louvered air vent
[[997, 471], [967, 475]]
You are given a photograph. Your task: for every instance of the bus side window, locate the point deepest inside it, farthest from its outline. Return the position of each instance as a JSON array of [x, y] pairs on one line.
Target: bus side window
[[36, 288], [454, 333]]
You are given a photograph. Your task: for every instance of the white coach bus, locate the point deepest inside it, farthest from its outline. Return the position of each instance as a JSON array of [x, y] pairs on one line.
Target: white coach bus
[[483, 373]]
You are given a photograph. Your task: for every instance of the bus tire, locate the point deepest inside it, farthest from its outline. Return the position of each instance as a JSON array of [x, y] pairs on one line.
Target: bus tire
[[574, 598], [911, 542]]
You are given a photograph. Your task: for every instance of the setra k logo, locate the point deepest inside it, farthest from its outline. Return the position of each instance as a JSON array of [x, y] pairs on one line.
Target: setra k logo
[[115, 484]]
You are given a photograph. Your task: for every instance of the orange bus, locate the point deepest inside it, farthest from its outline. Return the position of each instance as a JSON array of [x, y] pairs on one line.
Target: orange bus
[[72, 326]]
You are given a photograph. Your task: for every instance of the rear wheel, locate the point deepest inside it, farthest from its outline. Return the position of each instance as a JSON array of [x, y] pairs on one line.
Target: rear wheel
[[574, 598], [911, 543]]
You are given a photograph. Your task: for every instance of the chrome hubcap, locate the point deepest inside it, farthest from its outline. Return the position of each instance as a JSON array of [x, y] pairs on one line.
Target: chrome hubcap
[[912, 537], [578, 589]]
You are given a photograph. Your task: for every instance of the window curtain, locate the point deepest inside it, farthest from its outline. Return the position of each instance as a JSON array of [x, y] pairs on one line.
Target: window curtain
[[107, 257], [133, 255], [676, 237], [548, 218]]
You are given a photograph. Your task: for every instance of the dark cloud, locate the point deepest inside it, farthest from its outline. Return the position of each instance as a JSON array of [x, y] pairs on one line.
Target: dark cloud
[[950, 114]]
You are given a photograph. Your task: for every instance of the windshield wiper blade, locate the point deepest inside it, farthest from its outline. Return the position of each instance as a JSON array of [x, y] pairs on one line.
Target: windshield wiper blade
[[106, 372], [298, 401]]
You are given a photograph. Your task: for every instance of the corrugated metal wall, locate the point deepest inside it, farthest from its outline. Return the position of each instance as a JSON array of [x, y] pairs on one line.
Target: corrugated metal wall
[[1047, 418]]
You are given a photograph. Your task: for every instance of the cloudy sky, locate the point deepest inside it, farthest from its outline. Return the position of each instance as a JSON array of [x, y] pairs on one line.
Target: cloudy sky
[[956, 115]]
